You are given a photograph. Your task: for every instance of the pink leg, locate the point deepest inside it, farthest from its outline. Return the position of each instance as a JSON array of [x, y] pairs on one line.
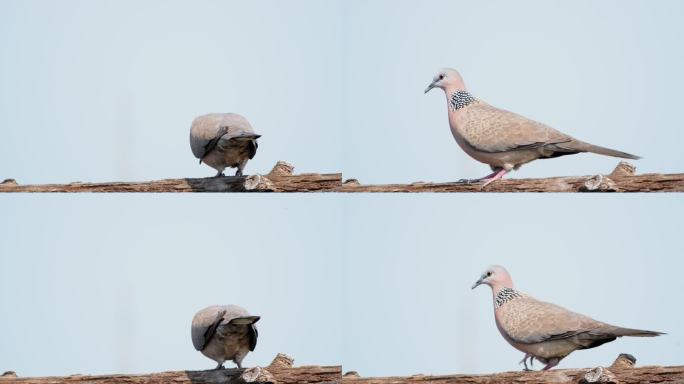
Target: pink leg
[[550, 365], [488, 176], [494, 176]]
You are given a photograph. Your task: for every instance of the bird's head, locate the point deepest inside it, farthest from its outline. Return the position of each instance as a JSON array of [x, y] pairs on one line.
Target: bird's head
[[496, 277], [449, 80]]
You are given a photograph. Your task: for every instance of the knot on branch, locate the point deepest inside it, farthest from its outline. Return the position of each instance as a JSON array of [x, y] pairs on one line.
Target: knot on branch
[[599, 183], [282, 361], [9, 374], [624, 361], [256, 375], [282, 168], [599, 375], [258, 183], [623, 169], [9, 182]]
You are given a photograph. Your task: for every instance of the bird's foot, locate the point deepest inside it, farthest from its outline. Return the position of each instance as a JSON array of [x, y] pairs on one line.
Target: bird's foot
[[468, 181], [524, 362], [238, 172], [219, 367], [220, 174], [493, 177]]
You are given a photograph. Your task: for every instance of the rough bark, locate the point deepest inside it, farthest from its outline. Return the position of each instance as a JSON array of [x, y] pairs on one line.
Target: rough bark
[[279, 372], [281, 179], [596, 375]]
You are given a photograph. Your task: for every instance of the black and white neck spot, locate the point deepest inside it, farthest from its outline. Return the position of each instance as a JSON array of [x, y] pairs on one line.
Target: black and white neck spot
[[504, 296], [460, 99]]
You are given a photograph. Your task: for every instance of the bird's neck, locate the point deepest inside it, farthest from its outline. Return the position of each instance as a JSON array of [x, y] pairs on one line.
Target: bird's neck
[[504, 295], [458, 99]]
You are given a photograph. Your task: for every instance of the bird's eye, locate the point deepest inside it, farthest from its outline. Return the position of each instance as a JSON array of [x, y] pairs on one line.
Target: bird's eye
[[441, 77], [489, 273]]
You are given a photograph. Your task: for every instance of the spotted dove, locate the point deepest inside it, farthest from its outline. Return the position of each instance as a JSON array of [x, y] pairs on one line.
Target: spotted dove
[[500, 138], [541, 330], [223, 140], [224, 332]]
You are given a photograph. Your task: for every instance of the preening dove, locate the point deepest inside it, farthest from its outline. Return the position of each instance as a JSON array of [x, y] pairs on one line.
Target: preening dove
[[223, 140], [500, 138], [224, 332], [545, 331]]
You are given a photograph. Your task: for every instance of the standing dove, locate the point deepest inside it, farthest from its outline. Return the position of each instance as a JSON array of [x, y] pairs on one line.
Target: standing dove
[[224, 332], [545, 331], [500, 138], [223, 140]]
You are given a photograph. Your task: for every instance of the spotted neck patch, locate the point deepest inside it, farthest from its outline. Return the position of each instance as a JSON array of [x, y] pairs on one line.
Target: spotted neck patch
[[504, 296], [460, 99]]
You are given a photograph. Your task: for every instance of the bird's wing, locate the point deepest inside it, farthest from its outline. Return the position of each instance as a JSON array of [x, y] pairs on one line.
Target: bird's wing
[[236, 138], [490, 129], [204, 328], [253, 336], [211, 144], [253, 145], [527, 320]]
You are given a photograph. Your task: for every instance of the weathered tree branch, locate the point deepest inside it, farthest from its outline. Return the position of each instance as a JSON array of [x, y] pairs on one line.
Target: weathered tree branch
[[282, 179], [281, 372], [596, 375], [621, 371]]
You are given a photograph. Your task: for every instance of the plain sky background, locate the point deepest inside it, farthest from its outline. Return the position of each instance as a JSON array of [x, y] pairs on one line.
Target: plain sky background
[[106, 90], [377, 283]]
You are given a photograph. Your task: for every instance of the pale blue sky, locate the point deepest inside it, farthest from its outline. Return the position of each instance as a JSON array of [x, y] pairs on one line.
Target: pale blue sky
[[106, 90], [378, 283]]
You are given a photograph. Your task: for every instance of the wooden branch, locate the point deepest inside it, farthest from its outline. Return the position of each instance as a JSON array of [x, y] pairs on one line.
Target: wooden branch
[[279, 372], [282, 179], [621, 371], [596, 375], [622, 179]]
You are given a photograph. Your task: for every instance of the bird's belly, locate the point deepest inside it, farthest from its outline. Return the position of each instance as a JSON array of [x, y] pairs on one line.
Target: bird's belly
[[507, 160], [544, 350], [548, 349], [221, 349], [230, 156]]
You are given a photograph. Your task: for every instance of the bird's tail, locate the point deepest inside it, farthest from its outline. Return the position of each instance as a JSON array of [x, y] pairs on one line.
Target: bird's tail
[[245, 320], [245, 136], [619, 331], [586, 147]]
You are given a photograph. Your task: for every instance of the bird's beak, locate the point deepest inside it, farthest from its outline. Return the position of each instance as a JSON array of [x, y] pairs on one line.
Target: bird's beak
[[429, 87], [477, 283]]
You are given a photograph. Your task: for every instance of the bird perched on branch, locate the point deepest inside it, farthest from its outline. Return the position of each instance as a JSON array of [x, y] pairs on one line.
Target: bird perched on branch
[[541, 330], [223, 140], [224, 332], [500, 138]]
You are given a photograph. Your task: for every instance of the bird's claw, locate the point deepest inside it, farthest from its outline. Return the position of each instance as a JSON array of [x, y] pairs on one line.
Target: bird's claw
[[467, 181]]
